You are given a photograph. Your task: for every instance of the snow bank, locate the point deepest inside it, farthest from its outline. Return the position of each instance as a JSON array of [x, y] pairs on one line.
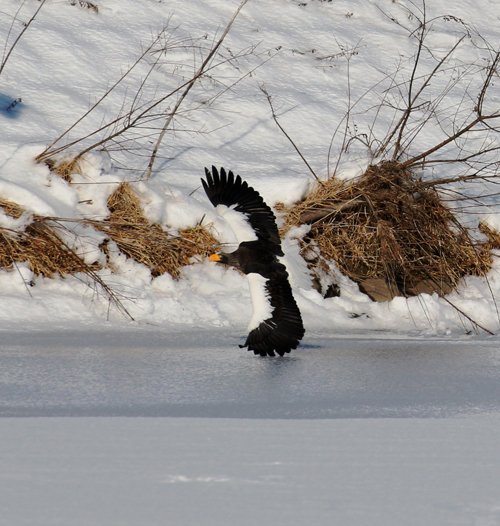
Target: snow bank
[[301, 53]]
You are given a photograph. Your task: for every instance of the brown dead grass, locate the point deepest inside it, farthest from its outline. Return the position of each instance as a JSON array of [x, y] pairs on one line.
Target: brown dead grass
[[136, 237], [389, 226], [11, 209], [65, 168], [492, 235], [148, 243], [38, 245], [42, 248]]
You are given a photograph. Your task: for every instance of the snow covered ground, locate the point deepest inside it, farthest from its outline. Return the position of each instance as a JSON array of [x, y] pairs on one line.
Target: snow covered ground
[[389, 413], [311, 57], [363, 472]]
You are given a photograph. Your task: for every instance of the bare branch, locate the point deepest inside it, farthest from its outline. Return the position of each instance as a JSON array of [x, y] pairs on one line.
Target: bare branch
[[410, 108], [465, 315], [406, 115], [275, 118], [482, 94], [7, 55], [50, 150], [188, 88], [478, 120]]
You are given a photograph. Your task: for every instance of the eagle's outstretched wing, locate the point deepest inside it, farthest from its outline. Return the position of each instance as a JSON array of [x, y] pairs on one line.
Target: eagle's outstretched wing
[[282, 331], [225, 189]]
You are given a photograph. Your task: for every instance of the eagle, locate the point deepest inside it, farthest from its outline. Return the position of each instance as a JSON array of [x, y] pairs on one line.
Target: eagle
[[276, 325]]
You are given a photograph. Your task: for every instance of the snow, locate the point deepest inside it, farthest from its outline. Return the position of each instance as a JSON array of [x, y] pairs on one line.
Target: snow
[[387, 414], [74, 68], [221, 471]]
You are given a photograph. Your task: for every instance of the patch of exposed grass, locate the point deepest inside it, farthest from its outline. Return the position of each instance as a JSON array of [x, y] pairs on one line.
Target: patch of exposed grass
[[148, 243], [389, 226], [145, 242]]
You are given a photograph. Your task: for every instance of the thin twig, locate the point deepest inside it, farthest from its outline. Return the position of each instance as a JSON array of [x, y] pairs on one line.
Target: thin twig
[[474, 322], [491, 71], [347, 119], [292, 142], [6, 56]]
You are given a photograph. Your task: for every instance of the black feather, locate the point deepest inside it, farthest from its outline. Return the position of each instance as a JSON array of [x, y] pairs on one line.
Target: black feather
[[284, 330], [226, 189]]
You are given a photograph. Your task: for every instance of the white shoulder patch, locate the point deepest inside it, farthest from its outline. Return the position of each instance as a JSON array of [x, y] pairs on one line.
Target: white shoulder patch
[[238, 223], [262, 308]]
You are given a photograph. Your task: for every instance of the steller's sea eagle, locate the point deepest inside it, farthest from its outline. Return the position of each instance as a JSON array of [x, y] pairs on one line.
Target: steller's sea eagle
[[276, 325]]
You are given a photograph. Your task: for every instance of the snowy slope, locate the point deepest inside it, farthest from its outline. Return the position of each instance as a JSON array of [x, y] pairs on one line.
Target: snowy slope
[[311, 57]]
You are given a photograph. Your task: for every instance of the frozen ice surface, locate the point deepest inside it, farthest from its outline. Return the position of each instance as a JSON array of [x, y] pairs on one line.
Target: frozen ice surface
[[345, 431], [202, 373]]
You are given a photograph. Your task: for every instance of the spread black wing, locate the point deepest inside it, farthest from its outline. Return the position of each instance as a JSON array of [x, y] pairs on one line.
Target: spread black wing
[[225, 189], [282, 332]]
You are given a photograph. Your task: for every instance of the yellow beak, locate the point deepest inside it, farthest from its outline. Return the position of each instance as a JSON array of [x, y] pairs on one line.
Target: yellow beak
[[214, 257]]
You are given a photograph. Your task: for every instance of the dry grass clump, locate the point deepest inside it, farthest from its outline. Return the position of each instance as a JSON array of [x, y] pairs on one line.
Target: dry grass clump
[[48, 255], [65, 168], [492, 235], [11, 209], [149, 243], [42, 248], [38, 245], [390, 233], [136, 237]]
